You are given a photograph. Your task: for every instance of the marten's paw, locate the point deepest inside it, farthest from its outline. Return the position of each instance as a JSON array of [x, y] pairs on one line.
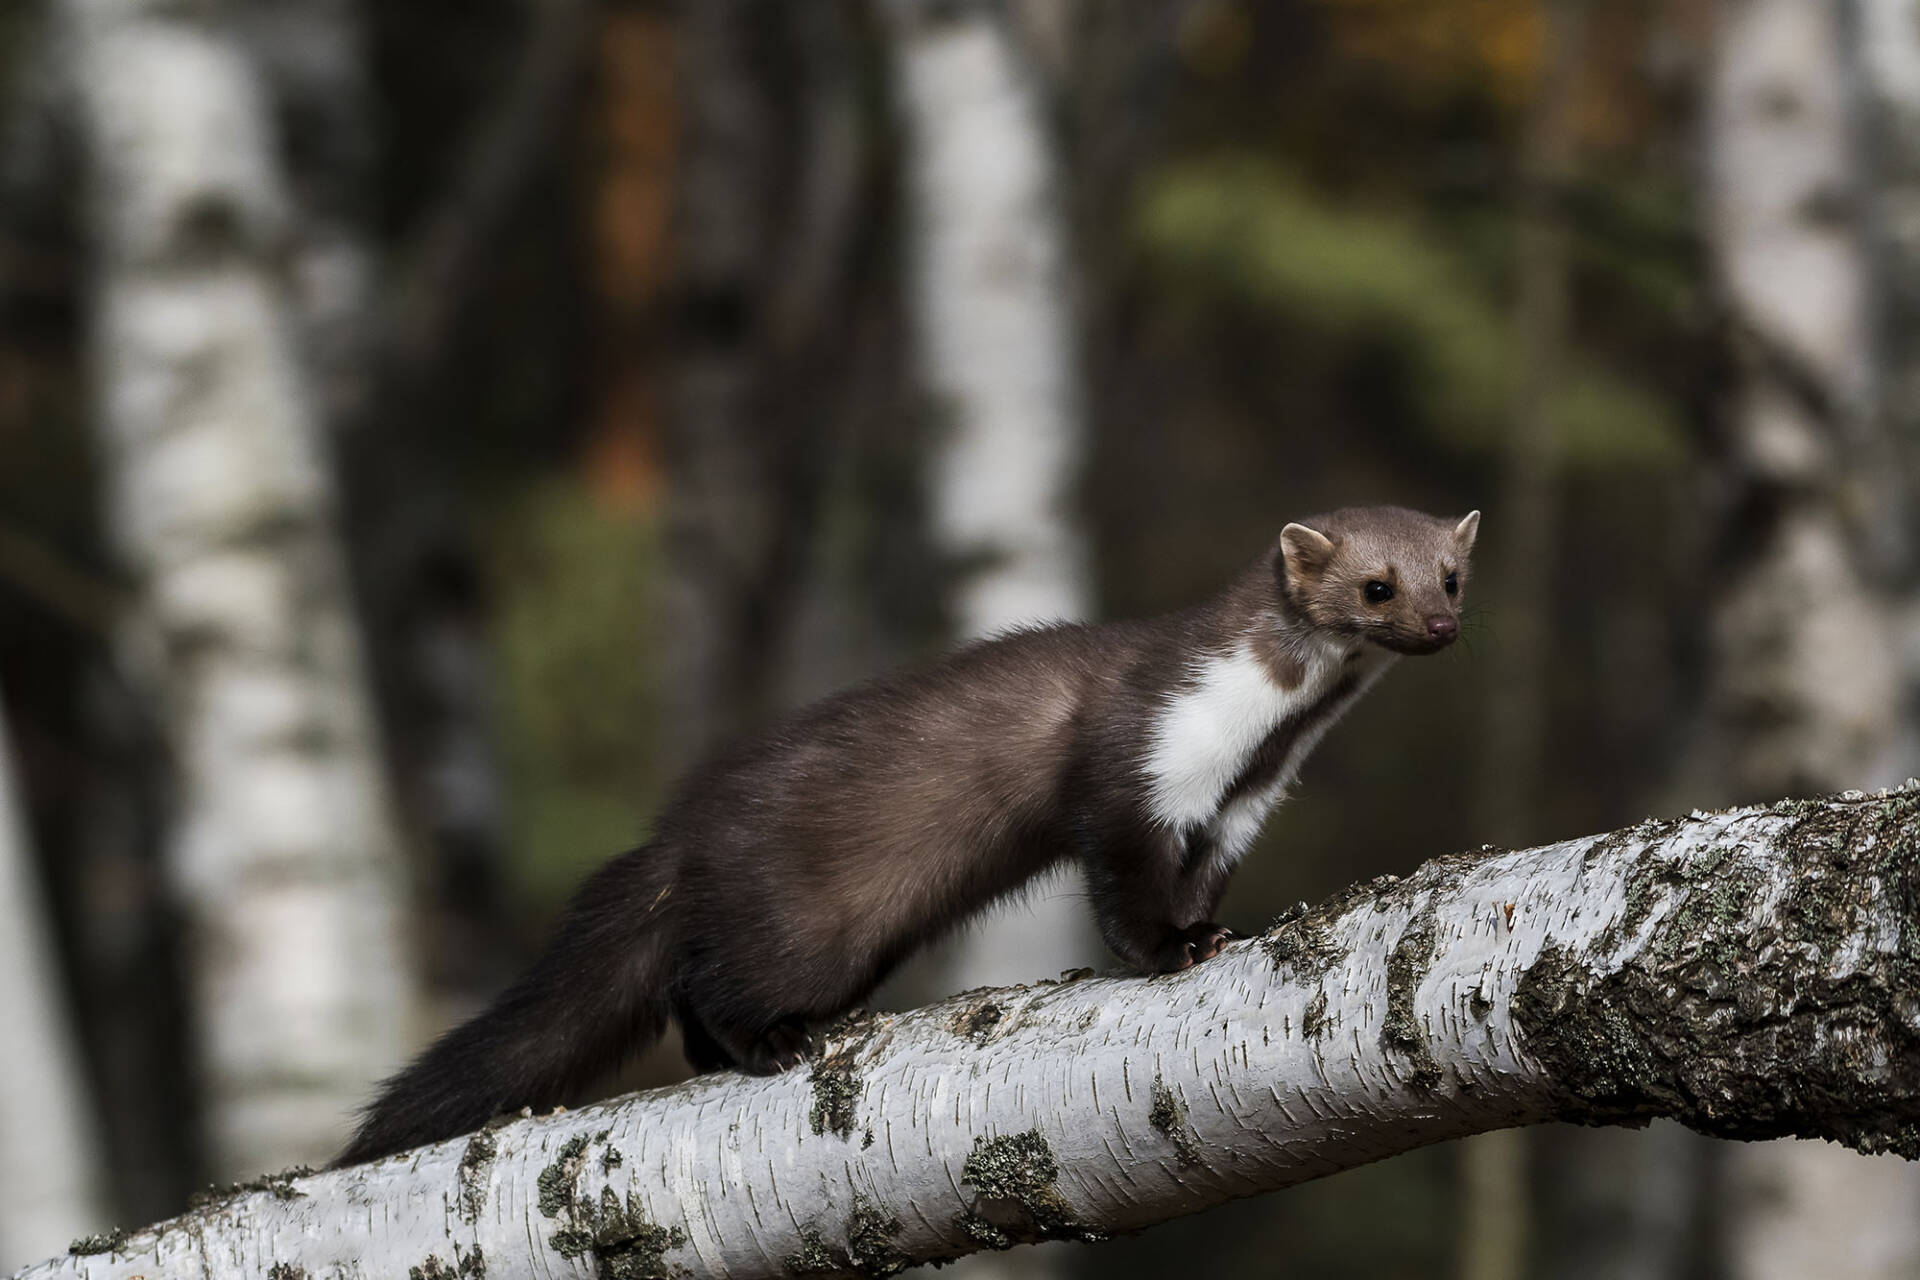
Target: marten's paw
[[1208, 939], [784, 1046], [1191, 945]]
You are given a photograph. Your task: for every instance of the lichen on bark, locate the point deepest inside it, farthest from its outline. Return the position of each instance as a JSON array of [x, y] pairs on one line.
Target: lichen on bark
[[1018, 1201], [835, 1090], [1169, 1116], [1777, 996], [1401, 1030], [476, 1164]]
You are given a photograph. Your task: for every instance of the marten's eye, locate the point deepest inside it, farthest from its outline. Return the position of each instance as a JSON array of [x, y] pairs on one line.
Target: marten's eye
[[1453, 584], [1378, 592]]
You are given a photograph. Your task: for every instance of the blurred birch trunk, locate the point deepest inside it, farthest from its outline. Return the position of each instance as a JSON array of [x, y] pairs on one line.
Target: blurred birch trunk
[[49, 1153], [990, 299], [1806, 691], [282, 851], [371, 349]]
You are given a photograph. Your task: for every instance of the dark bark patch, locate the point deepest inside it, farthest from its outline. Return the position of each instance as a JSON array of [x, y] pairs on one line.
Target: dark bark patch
[[476, 1163], [869, 1250], [1169, 1115], [1314, 1020], [976, 1021], [624, 1244], [981, 1232], [836, 1085], [814, 1256], [1400, 1030], [835, 1091], [1018, 1200], [278, 1185], [1301, 942], [1770, 1000], [105, 1242], [870, 1233], [555, 1183], [471, 1265]]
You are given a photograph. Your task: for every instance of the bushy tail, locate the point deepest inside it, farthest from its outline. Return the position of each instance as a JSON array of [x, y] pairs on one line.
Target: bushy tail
[[599, 991]]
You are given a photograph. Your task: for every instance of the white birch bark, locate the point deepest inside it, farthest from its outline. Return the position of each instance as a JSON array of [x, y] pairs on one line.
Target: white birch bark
[[994, 325], [1750, 973], [1806, 674], [282, 852], [49, 1152]]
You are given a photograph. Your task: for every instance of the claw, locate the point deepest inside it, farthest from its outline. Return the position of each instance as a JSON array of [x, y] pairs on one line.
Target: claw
[[1204, 940], [784, 1046]]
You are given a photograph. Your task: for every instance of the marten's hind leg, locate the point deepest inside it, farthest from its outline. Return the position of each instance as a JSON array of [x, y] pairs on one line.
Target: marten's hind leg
[[762, 1044], [703, 1052], [762, 977], [781, 1047], [763, 1018]]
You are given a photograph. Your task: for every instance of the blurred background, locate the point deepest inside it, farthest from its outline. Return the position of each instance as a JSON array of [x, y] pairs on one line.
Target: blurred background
[[427, 427]]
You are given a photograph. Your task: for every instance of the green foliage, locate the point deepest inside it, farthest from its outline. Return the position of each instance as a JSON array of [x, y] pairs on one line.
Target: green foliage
[[579, 681], [1250, 231]]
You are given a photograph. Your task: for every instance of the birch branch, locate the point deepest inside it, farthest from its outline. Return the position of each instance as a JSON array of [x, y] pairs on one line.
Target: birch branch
[[1750, 973]]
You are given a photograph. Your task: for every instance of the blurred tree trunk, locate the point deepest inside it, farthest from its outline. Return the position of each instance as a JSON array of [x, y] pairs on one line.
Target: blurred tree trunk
[[1887, 48], [1117, 70], [997, 353], [1805, 692], [1495, 1186], [992, 315], [374, 350], [636, 109], [770, 170], [282, 852], [50, 1185], [124, 995]]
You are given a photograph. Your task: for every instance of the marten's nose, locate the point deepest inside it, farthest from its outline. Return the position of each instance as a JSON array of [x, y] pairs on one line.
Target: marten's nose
[[1443, 628]]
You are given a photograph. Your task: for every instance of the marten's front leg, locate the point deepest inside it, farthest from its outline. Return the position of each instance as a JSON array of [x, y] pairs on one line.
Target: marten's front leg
[[1203, 882], [1154, 908]]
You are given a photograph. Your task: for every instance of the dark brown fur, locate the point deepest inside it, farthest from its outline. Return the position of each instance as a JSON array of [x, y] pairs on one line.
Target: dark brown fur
[[794, 871]]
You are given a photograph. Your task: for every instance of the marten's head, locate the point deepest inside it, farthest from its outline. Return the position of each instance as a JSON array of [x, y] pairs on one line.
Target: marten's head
[[1385, 574]]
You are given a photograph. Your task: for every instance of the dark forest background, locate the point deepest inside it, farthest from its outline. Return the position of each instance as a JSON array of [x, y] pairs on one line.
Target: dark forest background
[[632, 448]]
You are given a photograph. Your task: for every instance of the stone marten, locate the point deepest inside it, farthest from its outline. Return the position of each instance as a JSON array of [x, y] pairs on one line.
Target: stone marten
[[796, 869]]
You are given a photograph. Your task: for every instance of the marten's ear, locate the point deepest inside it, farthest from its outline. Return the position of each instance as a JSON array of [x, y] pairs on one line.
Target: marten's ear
[[1306, 552], [1465, 532]]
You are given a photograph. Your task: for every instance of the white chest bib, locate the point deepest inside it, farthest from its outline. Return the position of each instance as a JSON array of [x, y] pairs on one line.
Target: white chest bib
[[1207, 732]]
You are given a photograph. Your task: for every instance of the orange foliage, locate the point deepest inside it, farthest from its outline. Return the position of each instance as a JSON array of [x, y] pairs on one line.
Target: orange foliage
[[637, 119], [1437, 47]]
